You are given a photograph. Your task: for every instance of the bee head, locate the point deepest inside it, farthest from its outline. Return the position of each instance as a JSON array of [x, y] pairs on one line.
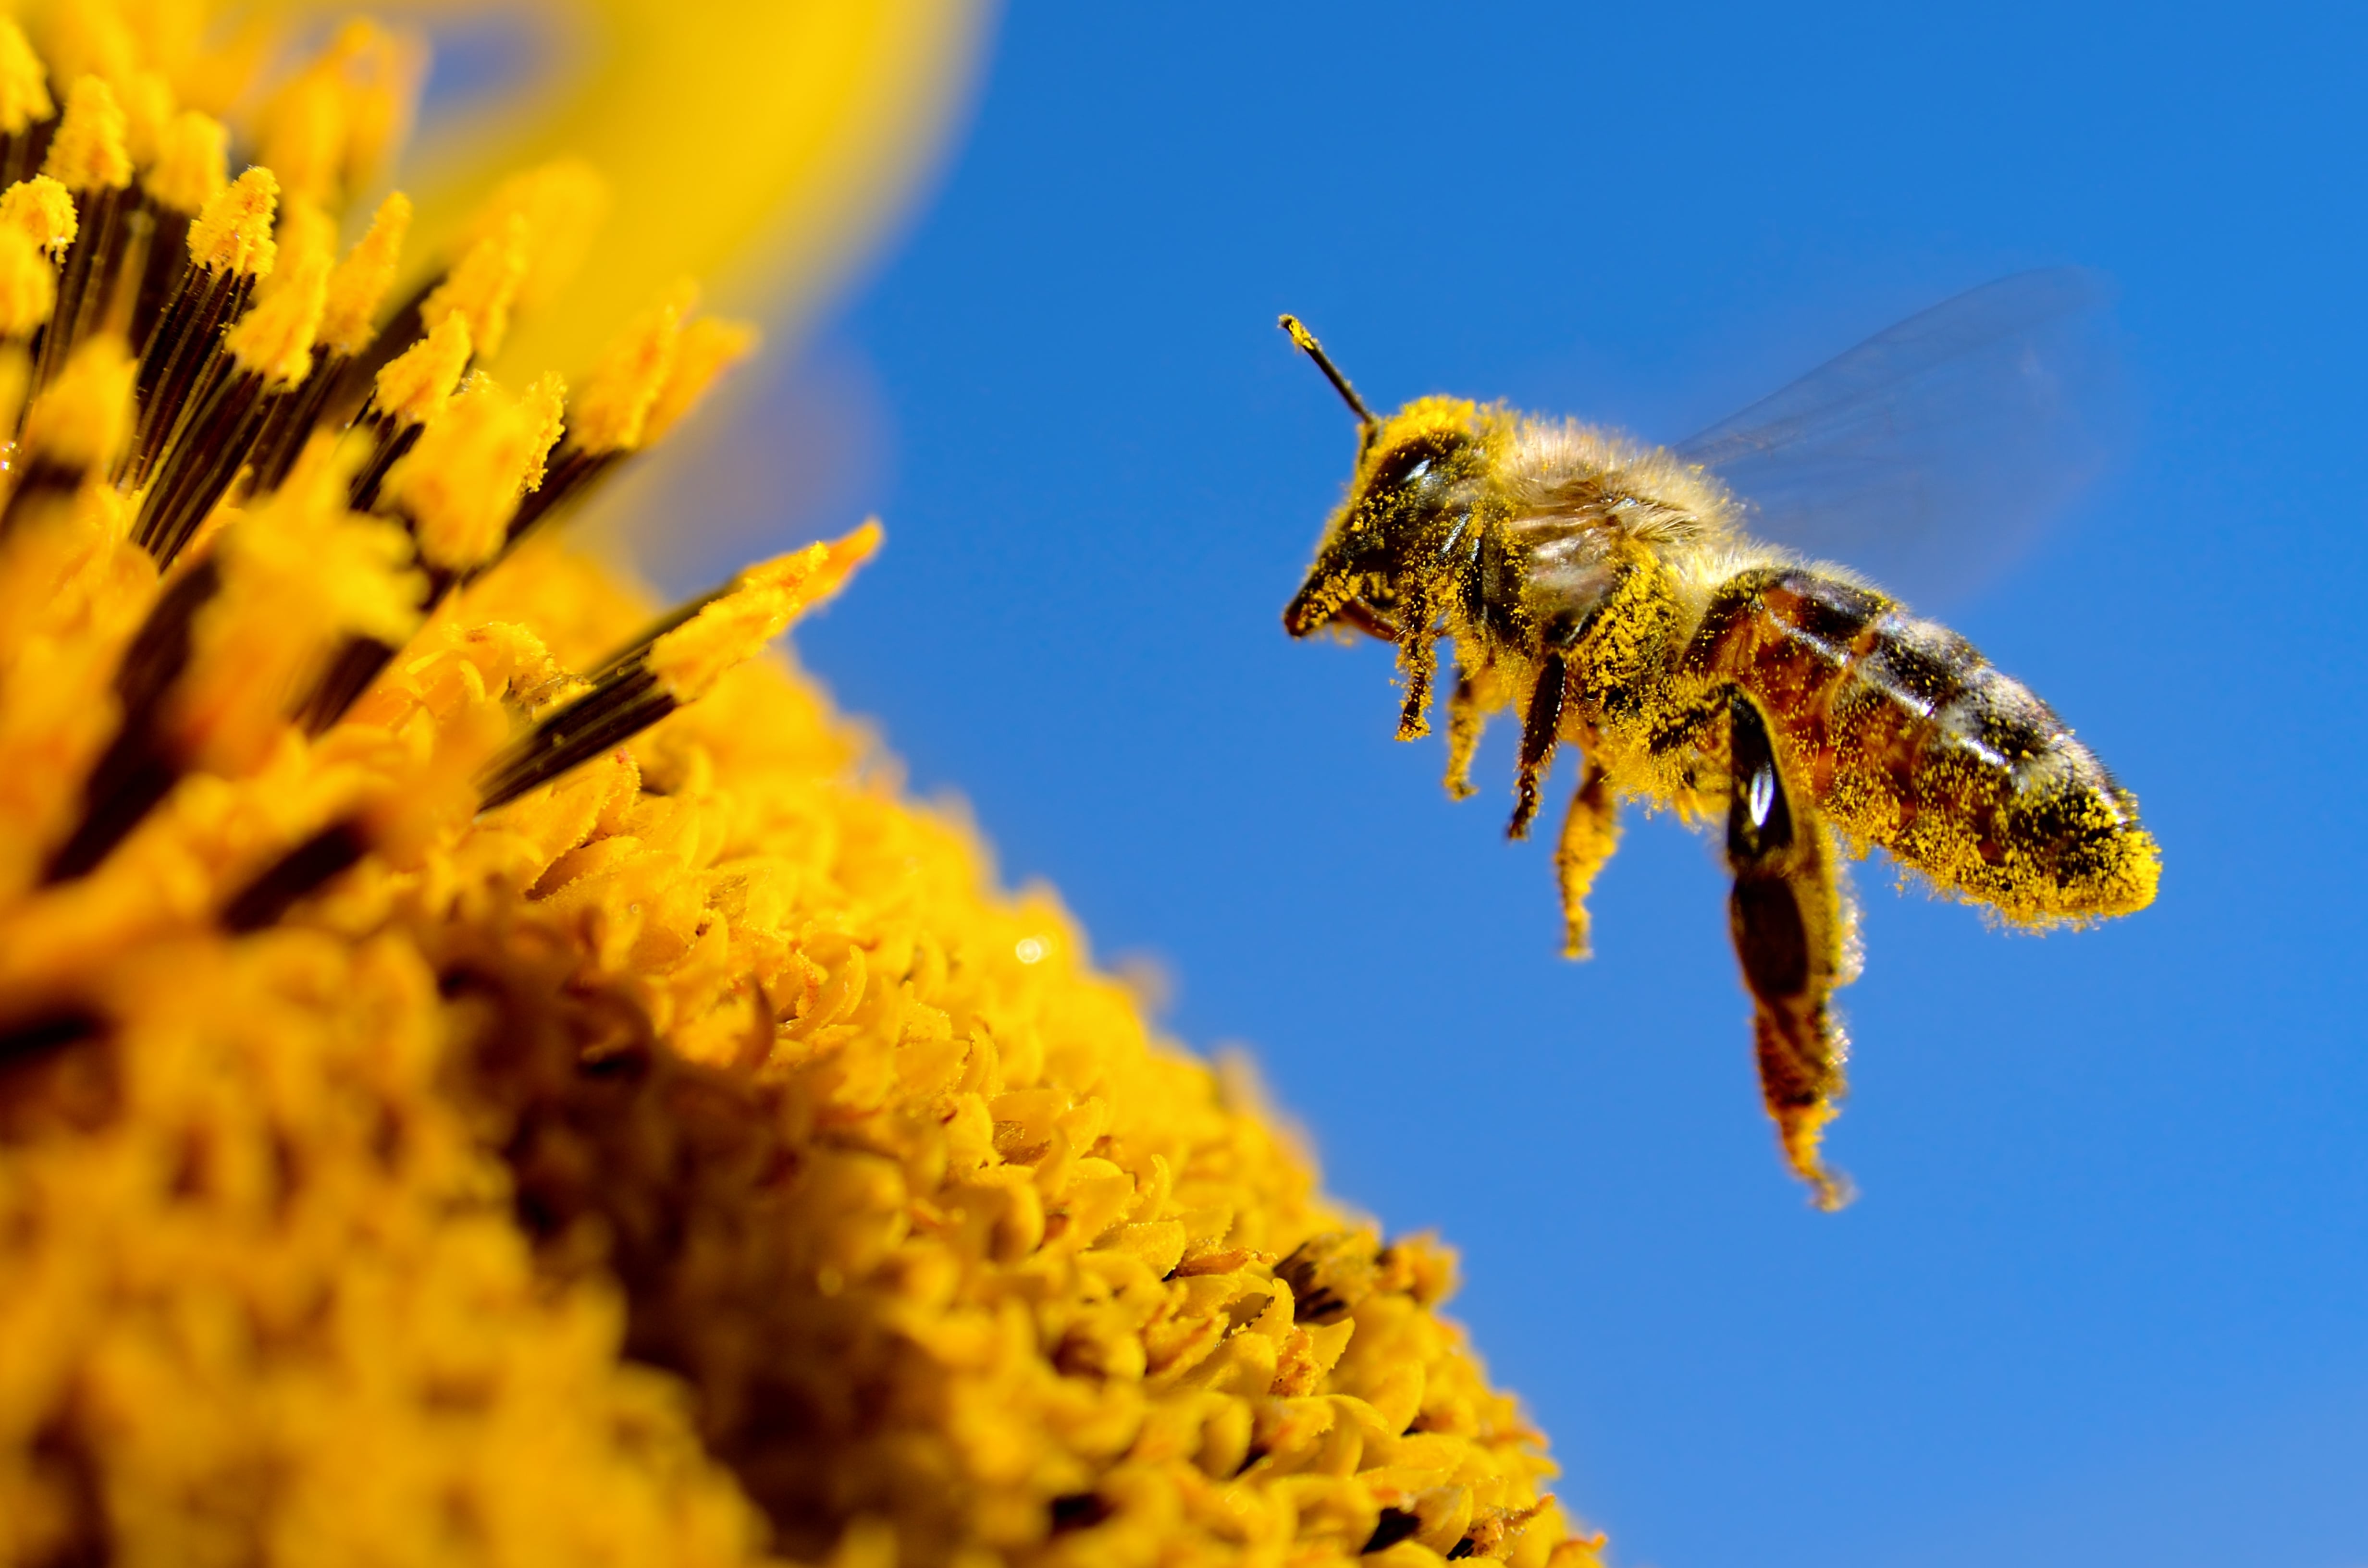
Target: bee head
[[1406, 521]]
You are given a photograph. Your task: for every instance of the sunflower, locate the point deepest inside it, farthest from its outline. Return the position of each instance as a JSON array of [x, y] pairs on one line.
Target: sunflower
[[493, 1072]]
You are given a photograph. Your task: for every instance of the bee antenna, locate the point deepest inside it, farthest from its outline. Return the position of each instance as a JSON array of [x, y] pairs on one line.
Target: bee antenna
[[1315, 351]]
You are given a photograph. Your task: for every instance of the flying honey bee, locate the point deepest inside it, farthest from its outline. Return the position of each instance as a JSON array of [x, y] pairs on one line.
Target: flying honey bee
[[1606, 590]]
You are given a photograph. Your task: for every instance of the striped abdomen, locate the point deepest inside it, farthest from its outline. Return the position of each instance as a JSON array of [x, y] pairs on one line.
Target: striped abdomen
[[1907, 737]]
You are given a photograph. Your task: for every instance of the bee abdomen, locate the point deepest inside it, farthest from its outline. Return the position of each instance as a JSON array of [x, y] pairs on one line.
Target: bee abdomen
[[1910, 739]]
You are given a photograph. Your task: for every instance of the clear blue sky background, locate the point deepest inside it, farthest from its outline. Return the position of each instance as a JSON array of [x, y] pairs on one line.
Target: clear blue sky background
[[2101, 1300]]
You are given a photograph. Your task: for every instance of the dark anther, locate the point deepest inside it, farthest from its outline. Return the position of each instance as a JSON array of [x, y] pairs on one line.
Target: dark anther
[[1077, 1511], [608, 715], [52, 1032], [1463, 1548], [1328, 1275], [297, 874], [1396, 1525]]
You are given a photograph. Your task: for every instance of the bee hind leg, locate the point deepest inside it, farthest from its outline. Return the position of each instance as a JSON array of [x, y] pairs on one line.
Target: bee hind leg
[[1589, 834], [1791, 933]]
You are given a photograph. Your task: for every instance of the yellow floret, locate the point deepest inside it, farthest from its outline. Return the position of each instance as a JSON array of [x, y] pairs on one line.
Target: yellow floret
[[612, 411], [232, 231], [41, 209], [147, 100], [707, 348], [24, 86], [482, 286], [329, 128], [563, 204], [546, 406], [275, 338], [80, 420], [29, 286], [723, 636], [361, 281], [461, 483], [89, 37], [297, 575], [89, 151], [412, 387], [191, 162], [304, 232]]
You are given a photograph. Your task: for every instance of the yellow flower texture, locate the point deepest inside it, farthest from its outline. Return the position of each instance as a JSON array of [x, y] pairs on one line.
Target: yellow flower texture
[[492, 1074]]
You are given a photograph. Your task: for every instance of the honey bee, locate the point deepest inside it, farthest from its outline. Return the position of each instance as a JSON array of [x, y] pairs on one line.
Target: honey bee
[[1607, 591]]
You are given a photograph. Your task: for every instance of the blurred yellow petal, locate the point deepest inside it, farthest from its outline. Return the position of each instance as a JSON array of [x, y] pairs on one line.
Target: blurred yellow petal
[[760, 148]]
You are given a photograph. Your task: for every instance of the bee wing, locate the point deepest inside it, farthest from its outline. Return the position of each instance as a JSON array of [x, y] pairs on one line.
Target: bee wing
[[1929, 456]]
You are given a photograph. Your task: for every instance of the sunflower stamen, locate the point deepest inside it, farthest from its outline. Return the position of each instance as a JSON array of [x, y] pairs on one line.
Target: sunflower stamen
[[411, 390], [636, 396], [89, 157], [675, 663], [230, 249], [192, 165], [356, 289], [453, 488], [138, 769], [266, 353], [539, 222]]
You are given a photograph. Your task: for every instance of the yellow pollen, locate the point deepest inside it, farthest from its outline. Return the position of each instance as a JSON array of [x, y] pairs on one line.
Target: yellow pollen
[[43, 211], [29, 286], [611, 414], [692, 658], [460, 483], [192, 162], [361, 281], [79, 421], [24, 88], [413, 386], [88, 152], [707, 348], [546, 405], [233, 231], [564, 202], [482, 286], [275, 338]]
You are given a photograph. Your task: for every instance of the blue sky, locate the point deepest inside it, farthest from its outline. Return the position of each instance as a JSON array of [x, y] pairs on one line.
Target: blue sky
[[2102, 1299]]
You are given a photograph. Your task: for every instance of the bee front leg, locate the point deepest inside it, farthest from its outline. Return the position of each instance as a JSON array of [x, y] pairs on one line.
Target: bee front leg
[[1589, 834], [1791, 934]]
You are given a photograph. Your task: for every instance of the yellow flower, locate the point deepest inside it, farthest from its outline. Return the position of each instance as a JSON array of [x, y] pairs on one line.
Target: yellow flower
[[487, 1075]]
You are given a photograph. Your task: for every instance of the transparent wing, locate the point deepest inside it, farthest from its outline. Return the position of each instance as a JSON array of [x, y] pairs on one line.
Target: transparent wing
[[1929, 456]]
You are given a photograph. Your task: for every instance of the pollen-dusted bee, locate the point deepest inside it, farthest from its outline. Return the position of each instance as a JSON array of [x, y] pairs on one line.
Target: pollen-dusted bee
[[1607, 591]]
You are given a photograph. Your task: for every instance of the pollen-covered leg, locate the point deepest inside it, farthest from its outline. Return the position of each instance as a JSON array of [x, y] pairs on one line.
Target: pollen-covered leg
[[1589, 834], [1540, 727], [1418, 664], [1791, 934], [1465, 718]]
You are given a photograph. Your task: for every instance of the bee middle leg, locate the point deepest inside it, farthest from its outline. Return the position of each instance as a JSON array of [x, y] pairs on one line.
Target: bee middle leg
[[1791, 932], [1465, 718], [1540, 727], [1589, 834]]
